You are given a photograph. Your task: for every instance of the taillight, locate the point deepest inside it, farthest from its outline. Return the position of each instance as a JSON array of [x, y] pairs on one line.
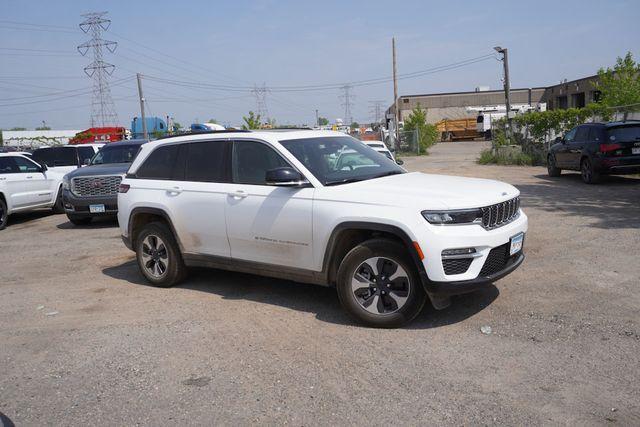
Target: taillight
[[605, 148], [123, 188]]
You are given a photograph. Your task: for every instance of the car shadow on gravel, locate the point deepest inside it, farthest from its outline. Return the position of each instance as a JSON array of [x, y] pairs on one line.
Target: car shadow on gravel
[[95, 223], [615, 203], [24, 217], [319, 300]]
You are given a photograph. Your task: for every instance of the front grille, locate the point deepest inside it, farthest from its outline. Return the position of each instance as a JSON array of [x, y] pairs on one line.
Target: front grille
[[500, 214], [90, 186], [456, 266]]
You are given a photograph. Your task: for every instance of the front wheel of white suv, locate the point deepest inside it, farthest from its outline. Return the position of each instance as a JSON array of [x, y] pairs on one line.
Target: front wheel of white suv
[[379, 285], [158, 256]]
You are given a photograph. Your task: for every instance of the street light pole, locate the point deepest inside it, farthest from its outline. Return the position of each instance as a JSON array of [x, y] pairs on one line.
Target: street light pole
[[507, 85]]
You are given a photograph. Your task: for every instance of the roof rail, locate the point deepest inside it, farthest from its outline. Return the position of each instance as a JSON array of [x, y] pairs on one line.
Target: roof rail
[[203, 132]]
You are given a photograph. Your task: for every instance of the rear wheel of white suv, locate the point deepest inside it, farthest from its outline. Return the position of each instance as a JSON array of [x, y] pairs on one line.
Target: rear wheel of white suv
[[159, 256], [379, 285]]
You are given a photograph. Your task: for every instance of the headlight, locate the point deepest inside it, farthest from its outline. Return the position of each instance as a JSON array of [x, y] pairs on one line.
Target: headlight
[[466, 216], [66, 184]]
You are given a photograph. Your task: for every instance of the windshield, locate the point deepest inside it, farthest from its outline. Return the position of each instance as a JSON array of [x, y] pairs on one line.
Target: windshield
[[339, 160], [624, 133], [111, 154]]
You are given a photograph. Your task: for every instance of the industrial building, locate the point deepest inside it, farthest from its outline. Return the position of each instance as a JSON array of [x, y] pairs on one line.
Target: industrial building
[[453, 105]]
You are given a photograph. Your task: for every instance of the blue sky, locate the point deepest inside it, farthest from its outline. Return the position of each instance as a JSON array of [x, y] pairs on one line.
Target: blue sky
[[294, 43]]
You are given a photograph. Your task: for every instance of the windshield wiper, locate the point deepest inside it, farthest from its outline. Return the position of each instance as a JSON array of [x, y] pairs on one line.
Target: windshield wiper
[[344, 181], [386, 174]]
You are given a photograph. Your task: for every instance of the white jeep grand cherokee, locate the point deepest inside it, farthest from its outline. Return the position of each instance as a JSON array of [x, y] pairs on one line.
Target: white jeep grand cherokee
[[293, 205]]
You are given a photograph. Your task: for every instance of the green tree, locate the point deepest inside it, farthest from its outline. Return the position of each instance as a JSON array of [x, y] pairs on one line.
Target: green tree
[[18, 128], [620, 85], [43, 128], [427, 133], [214, 121], [323, 121], [176, 126], [355, 125], [252, 121], [1, 140]]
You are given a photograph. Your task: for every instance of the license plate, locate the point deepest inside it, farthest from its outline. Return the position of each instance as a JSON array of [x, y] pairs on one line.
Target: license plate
[[635, 150], [516, 243], [96, 209]]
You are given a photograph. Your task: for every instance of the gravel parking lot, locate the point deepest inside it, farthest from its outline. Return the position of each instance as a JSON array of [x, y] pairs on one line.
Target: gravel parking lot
[[83, 339]]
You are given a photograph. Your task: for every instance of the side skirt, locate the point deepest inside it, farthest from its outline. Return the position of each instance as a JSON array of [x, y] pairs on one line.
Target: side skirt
[[258, 268]]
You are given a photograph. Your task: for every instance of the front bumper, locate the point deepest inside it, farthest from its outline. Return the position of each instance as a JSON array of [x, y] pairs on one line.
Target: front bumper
[[445, 289], [80, 205]]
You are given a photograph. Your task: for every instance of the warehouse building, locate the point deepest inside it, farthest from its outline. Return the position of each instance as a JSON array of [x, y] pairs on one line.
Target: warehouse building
[[453, 105]]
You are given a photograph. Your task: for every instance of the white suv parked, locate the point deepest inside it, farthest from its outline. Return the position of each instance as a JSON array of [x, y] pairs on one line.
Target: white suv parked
[[26, 185], [279, 204]]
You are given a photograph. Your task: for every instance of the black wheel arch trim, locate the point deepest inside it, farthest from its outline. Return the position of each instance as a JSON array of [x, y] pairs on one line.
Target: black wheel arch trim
[[152, 211], [330, 250]]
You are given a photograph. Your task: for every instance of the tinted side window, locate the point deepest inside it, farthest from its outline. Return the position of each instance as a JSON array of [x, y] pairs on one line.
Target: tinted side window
[[56, 156], [207, 161], [570, 136], [252, 160], [160, 164], [26, 166], [7, 165], [595, 134], [582, 134]]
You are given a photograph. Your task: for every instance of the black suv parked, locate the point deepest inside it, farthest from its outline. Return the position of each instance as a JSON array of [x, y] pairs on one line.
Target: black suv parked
[[93, 190], [597, 149]]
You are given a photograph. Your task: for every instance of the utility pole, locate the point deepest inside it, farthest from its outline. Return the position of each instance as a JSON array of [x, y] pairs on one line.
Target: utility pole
[[260, 93], [395, 93], [507, 86], [145, 135], [376, 110], [317, 118]]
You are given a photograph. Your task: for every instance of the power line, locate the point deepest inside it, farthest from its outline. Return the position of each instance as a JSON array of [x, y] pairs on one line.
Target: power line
[[375, 109]]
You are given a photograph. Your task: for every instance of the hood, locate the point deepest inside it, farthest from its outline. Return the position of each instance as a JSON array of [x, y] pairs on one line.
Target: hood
[[106, 169], [425, 191]]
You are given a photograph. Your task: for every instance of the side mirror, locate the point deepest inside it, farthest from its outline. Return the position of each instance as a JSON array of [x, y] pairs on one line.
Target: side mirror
[[559, 139], [285, 177], [399, 162], [87, 162], [43, 167]]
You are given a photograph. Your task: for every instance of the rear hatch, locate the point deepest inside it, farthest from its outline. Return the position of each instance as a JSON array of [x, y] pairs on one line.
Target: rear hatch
[[622, 141]]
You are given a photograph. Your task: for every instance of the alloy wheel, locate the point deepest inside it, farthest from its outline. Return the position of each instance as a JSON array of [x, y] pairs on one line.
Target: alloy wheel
[[380, 285], [155, 257], [586, 171]]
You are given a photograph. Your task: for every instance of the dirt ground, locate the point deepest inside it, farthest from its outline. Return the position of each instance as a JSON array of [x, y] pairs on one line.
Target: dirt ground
[[83, 339]]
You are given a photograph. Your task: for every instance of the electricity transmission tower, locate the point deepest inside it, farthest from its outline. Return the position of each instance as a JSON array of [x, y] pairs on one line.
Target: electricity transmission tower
[[346, 98], [103, 110], [375, 110], [260, 92]]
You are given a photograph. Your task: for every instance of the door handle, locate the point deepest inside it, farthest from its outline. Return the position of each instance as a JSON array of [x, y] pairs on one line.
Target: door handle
[[29, 177], [174, 190], [239, 194]]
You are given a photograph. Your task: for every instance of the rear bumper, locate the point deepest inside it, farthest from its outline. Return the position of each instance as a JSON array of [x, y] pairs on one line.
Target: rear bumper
[[618, 165], [444, 289], [80, 205]]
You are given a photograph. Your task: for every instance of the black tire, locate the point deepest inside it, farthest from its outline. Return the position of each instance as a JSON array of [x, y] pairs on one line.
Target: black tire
[[589, 174], [58, 206], [4, 214], [79, 220], [353, 300], [552, 169], [166, 252]]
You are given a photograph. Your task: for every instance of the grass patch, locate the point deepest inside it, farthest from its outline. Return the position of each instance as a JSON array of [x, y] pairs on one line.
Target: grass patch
[[490, 157]]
